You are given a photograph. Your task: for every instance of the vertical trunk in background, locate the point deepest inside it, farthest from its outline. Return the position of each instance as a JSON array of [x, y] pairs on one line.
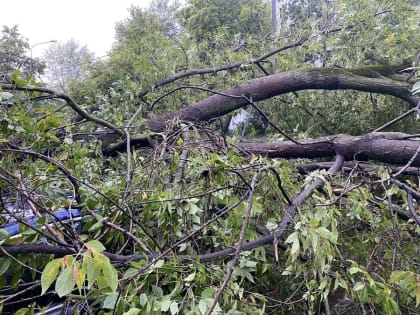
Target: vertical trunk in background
[[273, 16]]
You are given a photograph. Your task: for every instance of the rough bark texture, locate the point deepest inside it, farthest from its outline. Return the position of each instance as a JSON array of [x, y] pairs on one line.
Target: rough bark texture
[[393, 148], [266, 87]]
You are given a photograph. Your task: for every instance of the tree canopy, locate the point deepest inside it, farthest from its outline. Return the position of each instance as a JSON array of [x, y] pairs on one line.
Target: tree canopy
[[135, 193]]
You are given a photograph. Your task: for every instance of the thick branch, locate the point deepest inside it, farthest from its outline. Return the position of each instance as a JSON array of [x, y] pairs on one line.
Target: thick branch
[[266, 87], [390, 148]]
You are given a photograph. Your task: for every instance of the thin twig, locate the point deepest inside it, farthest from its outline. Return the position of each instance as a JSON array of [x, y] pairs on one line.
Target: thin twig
[[238, 246], [181, 241], [186, 73], [397, 119], [183, 158], [132, 236], [45, 158], [411, 208], [394, 232], [408, 163]]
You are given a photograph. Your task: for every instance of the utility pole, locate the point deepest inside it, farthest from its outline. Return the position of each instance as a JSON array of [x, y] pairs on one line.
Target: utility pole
[[274, 16], [32, 47]]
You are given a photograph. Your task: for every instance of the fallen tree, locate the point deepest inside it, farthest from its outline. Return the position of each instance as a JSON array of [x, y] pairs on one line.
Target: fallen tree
[[200, 212], [386, 147], [367, 79]]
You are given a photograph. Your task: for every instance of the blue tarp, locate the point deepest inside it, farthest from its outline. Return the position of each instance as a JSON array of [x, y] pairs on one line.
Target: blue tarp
[[61, 214]]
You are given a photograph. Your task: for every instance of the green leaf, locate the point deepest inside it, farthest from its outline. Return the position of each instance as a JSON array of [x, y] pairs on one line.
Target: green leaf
[[158, 264], [5, 96], [22, 311], [208, 293], [271, 225], [396, 276], [165, 304], [65, 283], [327, 234], [353, 270], [291, 238], [202, 305], [111, 274], [143, 299], [364, 296], [4, 264], [110, 300], [68, 141], [314, 241], [250, 264], [295, 247], [174, 308], [92, 272], [394, 308], [133, 311], [17, 79], [190, 277], [49, 274], [358, 286]]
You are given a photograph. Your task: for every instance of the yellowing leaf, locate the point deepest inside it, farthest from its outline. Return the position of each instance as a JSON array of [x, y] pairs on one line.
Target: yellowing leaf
[[79, 276], [95, 246], [49, 274]]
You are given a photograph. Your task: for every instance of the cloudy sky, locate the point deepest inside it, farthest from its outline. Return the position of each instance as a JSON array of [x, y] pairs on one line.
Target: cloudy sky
[[90, 22]]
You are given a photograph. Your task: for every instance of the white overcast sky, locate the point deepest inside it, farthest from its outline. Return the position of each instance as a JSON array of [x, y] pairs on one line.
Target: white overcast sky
[[90, 22]]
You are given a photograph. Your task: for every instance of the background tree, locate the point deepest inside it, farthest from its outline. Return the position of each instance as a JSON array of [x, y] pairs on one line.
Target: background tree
[[66, 62], [15, 53], [243, 19]]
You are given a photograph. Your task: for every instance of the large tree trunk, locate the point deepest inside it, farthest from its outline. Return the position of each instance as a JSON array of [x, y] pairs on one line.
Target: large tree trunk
[[392, 147], [369, 79]]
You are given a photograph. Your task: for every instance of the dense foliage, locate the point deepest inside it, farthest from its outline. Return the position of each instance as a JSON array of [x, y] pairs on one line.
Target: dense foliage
[[189, 219]]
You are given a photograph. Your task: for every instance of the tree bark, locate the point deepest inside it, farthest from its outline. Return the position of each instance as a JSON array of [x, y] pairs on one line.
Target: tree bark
[[392, 147], [368, 79]]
